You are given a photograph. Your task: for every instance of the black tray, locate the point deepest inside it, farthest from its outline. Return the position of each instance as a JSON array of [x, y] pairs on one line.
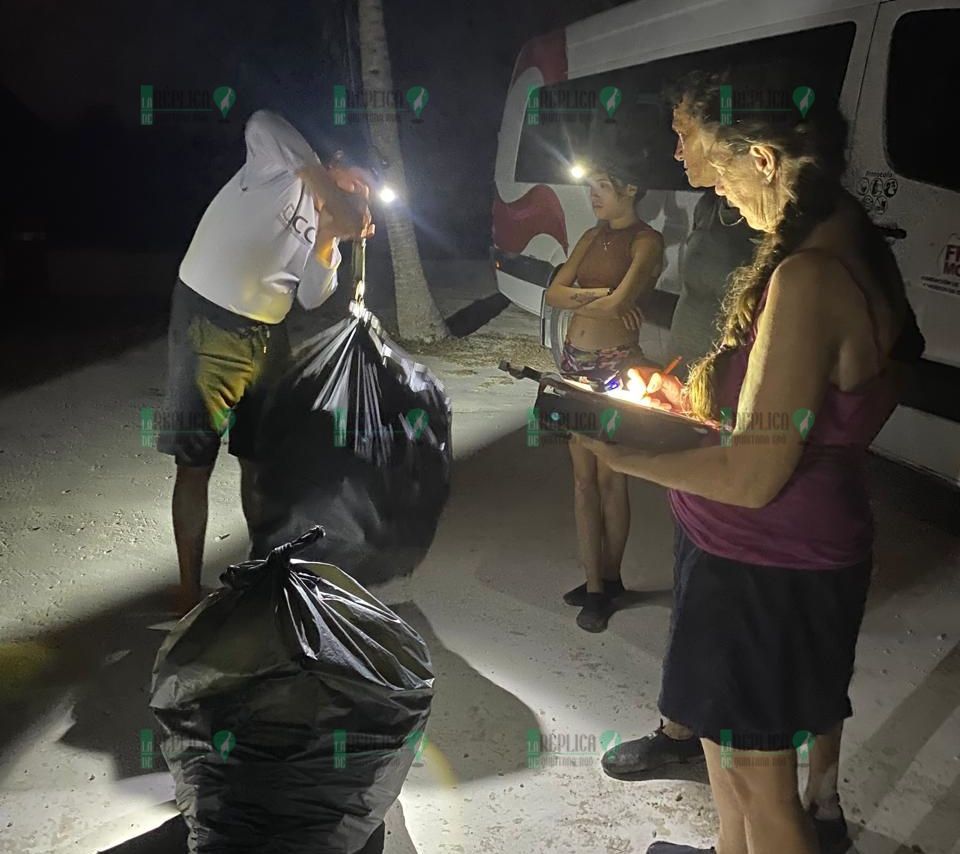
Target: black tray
[[564, 405]]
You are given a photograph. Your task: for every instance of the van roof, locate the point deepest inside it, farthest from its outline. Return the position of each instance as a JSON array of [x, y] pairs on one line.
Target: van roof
[[650, 28]]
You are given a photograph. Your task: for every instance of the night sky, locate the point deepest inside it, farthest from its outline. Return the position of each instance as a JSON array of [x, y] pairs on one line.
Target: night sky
[[92, 176]]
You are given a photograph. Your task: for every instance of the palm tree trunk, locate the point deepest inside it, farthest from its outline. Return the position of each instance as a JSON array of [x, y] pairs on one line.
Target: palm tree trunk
[[418, 317]]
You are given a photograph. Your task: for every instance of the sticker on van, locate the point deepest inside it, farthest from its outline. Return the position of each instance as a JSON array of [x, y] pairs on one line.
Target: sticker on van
[[948, 268], [876, 189]]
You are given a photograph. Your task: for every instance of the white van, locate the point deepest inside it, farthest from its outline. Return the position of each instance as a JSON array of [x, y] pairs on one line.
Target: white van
[[894, 66]]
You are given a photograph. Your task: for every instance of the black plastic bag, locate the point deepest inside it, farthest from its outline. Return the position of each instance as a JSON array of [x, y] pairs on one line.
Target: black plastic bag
[[291, 703], [356, 438]]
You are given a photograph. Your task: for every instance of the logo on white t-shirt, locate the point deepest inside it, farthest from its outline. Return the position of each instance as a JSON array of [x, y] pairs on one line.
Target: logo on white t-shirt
[[291, 217]]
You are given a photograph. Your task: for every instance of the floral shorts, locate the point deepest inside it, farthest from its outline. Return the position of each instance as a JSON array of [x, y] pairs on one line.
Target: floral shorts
[[599, 364]]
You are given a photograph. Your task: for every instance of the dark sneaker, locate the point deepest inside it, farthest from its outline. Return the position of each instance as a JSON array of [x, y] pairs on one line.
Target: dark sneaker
[[673, 848], [596, 611], [578, 596], [831, 832], [650, 757]]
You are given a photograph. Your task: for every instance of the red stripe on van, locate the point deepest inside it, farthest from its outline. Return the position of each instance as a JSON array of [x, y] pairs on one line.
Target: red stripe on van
[[548, 53], [538, 211]]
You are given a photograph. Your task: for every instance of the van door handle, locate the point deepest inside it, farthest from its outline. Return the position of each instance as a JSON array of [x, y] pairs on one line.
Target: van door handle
[[892, 231]]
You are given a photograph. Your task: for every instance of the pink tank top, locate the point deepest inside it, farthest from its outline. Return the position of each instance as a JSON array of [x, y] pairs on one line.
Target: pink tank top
[[821, 519]]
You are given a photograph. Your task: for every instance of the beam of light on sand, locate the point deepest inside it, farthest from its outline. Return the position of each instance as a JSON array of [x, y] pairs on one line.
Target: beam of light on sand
[[441, 773], [22, 662]]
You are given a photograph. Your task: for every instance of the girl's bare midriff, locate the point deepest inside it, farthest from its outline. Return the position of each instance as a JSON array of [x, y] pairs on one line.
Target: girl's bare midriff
[[597, 333], [604, 266]]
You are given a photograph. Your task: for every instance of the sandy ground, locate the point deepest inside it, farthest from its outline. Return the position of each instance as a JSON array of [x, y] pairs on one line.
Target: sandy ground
[[86, 548]]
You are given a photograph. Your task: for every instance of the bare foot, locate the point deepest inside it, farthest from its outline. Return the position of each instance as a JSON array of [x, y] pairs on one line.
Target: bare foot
[[186, 599]]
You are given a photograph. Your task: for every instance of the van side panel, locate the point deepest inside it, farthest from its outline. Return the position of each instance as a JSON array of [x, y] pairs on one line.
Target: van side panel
[[899, 170]]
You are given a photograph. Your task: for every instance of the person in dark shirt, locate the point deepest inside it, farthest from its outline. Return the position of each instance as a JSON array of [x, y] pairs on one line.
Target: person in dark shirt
[[719, 241]]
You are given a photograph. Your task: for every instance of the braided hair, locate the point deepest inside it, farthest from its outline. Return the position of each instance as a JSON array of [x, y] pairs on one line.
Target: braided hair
[[810, 154]]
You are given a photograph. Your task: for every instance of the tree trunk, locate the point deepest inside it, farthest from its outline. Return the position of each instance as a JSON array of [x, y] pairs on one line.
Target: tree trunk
[[418, 317]]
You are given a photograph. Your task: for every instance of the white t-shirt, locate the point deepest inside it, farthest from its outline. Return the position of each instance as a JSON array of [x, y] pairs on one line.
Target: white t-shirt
[[253, 250]]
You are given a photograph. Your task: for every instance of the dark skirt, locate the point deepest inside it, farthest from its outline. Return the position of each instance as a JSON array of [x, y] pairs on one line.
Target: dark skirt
[[760, 656]]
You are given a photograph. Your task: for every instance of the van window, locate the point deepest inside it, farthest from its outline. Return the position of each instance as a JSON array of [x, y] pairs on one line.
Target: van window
[[571, 119], [923, 59]]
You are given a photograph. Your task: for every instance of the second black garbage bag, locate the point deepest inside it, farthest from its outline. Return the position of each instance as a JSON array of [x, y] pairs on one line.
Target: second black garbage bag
[[292, 704], [356, 438]]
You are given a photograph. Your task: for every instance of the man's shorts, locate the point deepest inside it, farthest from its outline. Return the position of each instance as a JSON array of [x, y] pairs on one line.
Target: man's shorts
[[220, 367]]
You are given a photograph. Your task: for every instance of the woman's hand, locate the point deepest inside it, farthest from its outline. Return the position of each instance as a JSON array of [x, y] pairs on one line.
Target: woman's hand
[[662, 389], [600, 449], [606, 451], [618, 457]]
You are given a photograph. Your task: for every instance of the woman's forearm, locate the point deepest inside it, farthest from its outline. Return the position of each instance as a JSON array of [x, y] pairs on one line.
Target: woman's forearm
[[618, 303], [572, 299], [716, 473], [601, 308]]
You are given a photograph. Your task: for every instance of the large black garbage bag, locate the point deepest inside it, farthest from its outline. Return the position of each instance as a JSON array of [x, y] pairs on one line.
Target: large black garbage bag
[[291, 703], [356, 438]]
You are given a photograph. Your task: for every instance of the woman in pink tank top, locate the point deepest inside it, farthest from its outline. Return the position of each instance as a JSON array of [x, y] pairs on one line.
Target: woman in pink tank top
[[774, 530]]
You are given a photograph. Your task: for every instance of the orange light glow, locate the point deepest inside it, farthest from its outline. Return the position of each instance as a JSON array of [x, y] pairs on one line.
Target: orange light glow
[[635, 384], [635, 390]]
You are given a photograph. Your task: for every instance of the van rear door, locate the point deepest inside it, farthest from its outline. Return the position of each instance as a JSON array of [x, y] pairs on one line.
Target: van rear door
[[905, 171]]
